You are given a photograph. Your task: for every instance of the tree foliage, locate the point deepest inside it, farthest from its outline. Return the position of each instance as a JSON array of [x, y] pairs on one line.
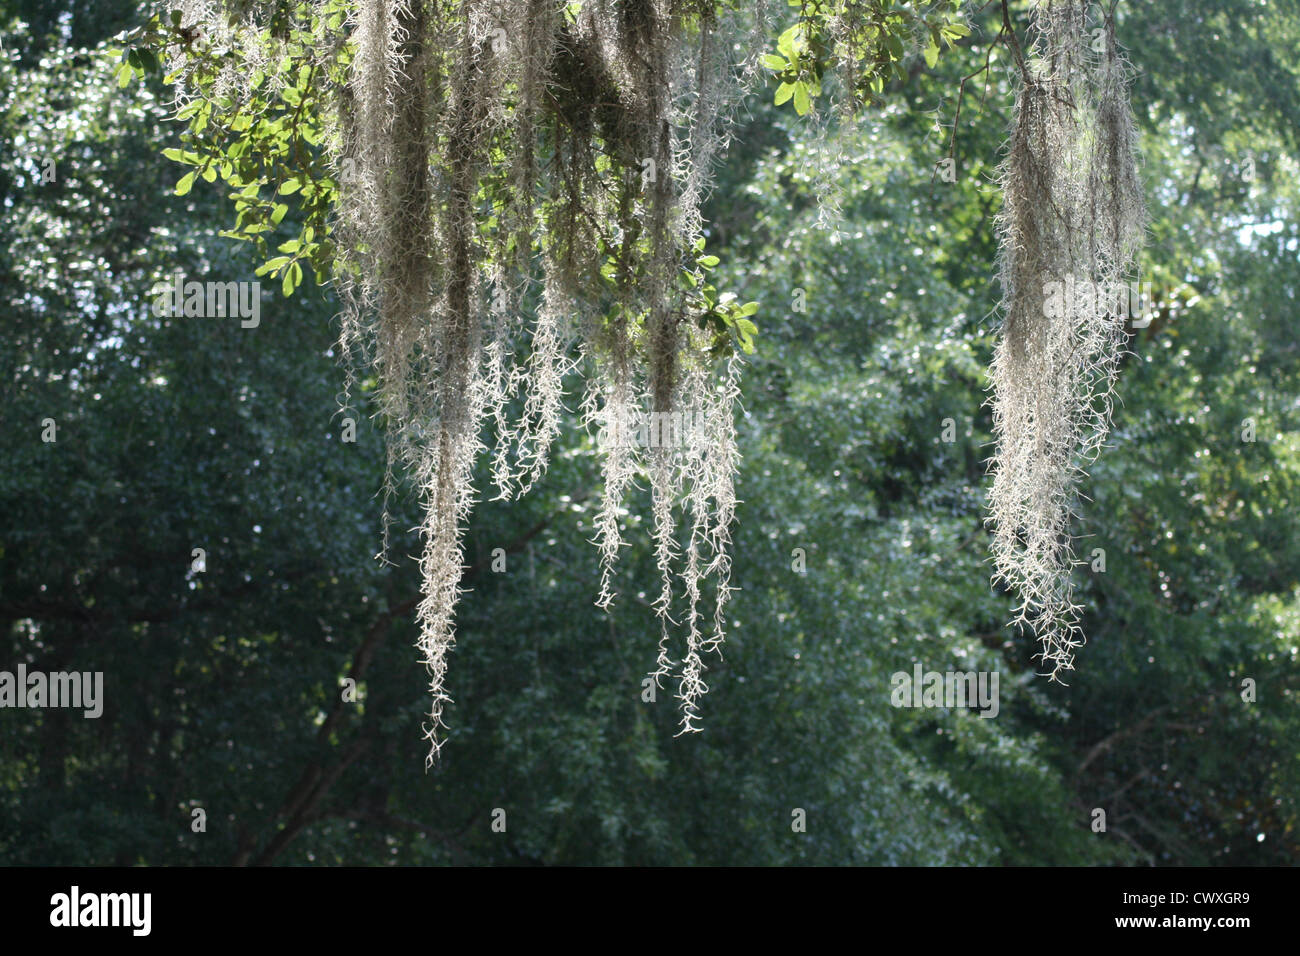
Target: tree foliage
[[223, 688]]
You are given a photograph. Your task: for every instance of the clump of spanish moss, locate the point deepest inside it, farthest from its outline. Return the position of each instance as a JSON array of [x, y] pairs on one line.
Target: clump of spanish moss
[[519, 185], [1072, 219]]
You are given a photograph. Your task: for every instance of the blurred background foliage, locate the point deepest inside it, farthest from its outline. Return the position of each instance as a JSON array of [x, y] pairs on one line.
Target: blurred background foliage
[[222, 687]]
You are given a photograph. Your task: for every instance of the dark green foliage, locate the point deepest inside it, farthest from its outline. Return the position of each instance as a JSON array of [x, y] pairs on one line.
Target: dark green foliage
[[222, 688]]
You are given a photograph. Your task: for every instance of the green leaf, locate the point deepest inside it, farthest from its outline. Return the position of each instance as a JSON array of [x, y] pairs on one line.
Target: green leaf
[[292, 276], [783, 93], [801, 103], [931, 54], [186, 183], [773, 62], [272, 265], [785, 43], [745, 330]]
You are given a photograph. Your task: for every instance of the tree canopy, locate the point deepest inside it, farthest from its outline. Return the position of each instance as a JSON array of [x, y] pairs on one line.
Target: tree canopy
[[859, 543]]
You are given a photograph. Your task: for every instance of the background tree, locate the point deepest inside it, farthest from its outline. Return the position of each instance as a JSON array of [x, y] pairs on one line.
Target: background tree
[[222, 688]]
